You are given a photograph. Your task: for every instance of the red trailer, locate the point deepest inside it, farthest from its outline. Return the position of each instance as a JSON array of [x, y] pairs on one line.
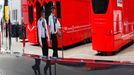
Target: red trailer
[[73, 16], [112, 27], [112, 24]]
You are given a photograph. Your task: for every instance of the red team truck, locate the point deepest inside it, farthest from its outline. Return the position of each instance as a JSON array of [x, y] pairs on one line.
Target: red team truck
[[72, 14], [112, 21], [112, 24]]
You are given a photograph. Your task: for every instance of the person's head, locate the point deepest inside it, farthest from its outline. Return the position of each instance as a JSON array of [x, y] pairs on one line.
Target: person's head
[[43, 14], [52, 9]]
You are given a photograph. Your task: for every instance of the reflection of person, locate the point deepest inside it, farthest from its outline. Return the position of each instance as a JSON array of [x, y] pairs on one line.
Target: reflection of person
[[43, 35], [54, 29]]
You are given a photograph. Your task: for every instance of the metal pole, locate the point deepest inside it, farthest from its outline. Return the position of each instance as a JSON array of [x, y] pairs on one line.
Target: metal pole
[[0, 41], [9, 32], [62, 42], [6, 35], [9, 24], [55, 67], [6, 17], [2, 30]]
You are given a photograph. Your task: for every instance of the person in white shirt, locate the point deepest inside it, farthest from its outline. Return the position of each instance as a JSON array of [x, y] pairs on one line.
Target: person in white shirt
[[54, 25], [54, 30], [43, 34]]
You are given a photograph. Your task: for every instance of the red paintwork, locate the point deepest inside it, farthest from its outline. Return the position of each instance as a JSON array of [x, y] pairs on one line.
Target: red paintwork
[[25, 10], [109, 33], [87, 63], [74, 20]]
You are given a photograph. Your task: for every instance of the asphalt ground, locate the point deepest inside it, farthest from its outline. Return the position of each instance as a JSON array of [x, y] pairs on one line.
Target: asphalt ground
[[11, 65]]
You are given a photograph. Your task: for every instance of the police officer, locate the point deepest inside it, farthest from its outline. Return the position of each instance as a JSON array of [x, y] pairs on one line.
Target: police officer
[[43, 36], [54, 30]]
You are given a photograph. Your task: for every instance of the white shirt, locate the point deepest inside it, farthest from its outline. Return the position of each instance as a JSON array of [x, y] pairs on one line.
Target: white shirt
[[42, 29], [51, 20]]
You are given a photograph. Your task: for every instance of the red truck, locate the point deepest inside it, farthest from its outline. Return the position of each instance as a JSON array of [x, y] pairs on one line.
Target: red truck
[[112, 24], [73, 16]]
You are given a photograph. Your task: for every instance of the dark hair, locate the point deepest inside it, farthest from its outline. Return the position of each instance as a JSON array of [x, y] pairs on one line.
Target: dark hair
[[42, 12], [52, 7]]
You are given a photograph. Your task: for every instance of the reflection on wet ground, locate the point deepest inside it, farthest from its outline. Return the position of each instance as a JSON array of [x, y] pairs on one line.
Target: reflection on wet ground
[[10, 65]]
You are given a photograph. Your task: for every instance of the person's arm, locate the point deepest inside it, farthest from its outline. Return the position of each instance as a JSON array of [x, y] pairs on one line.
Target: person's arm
[[58, 24], [39, 33], [58, 30]]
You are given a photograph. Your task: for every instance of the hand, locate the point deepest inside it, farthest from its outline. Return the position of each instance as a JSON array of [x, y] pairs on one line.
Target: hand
[[48, 39], [40, 45], [61, 39], [59, 33], [50, 42]]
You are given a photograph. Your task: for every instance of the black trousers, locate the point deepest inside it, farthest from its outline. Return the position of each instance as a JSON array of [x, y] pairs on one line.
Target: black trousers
[[44, 46], [54, 45]]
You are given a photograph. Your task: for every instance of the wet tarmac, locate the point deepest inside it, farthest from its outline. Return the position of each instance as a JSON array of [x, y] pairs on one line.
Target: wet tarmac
[[10, 65]]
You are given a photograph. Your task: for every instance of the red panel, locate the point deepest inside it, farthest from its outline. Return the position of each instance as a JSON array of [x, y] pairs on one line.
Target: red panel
[[25, 11], [74, 20], [113, 29], [102, 31]]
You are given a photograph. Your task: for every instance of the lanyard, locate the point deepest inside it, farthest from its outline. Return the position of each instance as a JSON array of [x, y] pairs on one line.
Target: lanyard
[[54, 21], [43, 25]]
